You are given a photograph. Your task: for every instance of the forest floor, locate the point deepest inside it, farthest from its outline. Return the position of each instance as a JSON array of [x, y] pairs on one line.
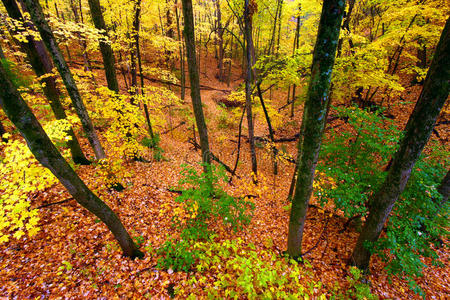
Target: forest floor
[[74, 255]]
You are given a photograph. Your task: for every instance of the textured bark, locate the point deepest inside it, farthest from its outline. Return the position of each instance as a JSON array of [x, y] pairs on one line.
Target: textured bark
[[189, 38], [314, 118], [48, 38], [248, 16], [417, 132], [105, 47], [41, 64], [46, 153]]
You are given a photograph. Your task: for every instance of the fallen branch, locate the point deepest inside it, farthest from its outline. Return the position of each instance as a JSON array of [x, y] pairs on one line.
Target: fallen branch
[[213, 157], [54, 203], [173, 128], [202, 87]]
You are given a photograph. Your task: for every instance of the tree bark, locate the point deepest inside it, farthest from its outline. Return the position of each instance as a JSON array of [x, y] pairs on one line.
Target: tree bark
[[189, 38], [296, 42], [46, 153], [248, 16], [141, 74], [182, 69], [314, 118], [35, 10], [417, 132], [105, 47], [41, 64]]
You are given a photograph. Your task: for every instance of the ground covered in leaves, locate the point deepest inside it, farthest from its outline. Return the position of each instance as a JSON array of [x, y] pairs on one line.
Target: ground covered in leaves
[[74, 255]]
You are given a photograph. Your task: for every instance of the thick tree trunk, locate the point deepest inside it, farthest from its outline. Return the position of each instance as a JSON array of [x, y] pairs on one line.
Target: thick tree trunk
[[41, 64], [417, 132], [189, 38], [314, 118], [46, 153], [105, 47], [35, 10], [248, 15]]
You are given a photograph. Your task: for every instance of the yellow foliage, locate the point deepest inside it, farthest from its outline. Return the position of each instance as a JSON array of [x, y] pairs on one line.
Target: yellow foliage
[[21, 174]]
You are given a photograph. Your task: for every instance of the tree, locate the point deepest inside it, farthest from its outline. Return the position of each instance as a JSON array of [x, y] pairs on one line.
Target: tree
[[37, 16], [314, 118], [189, 38], [417, 132], [105, 46], [249, 9], [46, 153], [41, 64]]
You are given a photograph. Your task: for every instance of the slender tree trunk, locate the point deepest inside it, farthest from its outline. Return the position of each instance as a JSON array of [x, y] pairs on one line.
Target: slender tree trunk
[[271, 46], [269, 125], [79, 19], [248, 15], [46, 153], [296, 43], [417, 132], [279, 28], [69, 57], [346, 24], [35, 10], [41, 64], [182, 69], [141, 75], [105, 47], [314, 118], [189, 38]]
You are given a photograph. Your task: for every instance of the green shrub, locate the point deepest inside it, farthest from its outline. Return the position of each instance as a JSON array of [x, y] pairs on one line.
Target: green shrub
[[207, 201], [355, 161]]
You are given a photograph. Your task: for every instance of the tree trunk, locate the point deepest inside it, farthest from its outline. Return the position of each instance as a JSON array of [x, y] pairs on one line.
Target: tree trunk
[[314, 118], [189, 38], [279, 28], [41, 64], [105, 47], [417, 132], [296, 43], [46, 153], [35, 10], [141, 74], [248, 15], [182, 70], [269, 125]]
